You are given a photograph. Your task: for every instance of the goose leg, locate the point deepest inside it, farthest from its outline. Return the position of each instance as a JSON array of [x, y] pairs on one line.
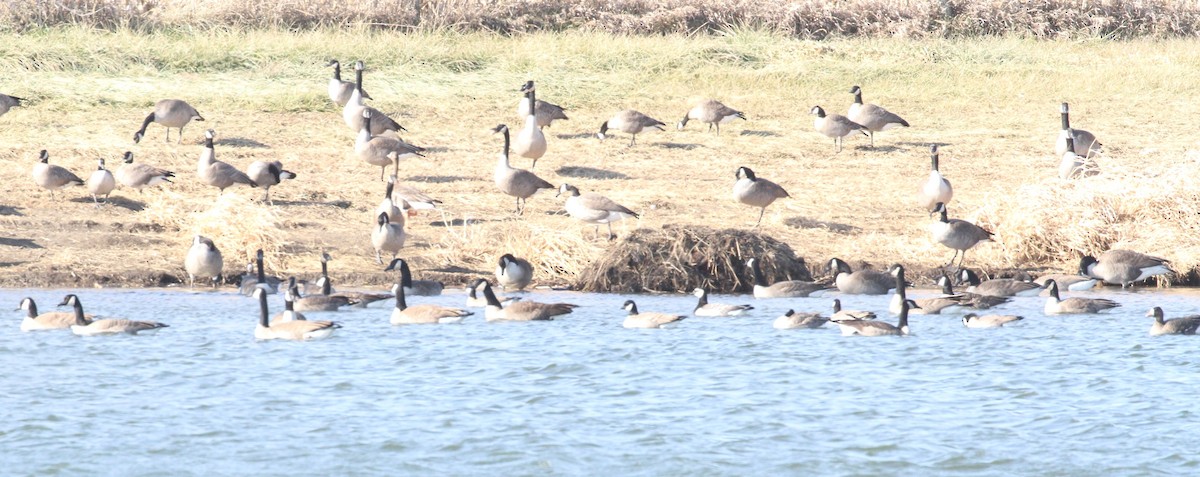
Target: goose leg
[[611, 235], [760, 216], [191, 281], [837, 144], [378, 258], [951, 262], [168, 135], [632, 139], [519, 206], [872, 134], [178, 140], [718, 129]]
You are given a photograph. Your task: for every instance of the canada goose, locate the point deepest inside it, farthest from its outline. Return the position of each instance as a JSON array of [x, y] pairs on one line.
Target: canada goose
[[530, 141], [415, 287], [101, 183], [317, 302], [879, 328], [712, 112], [792, 320], [862, 282], [381, 151], [957, 234], [998, 286], [521, 310], [267, 174], [936, 188], [54, 320], [1074, 305], [340, 91], [259, 279], [630, 122], [646, 320], [782, 289], [171, 113], [52, 177], [140, 175], [355, 113], [756, 192], [84, 327], [298, 330], [403, 314], [518, 183], [546, 113], [835, 126], [387, 237], [388, 205], [1186, 325], [8, 102], [924, 306], [216, 173], [875, 118], [1074, 166], [475, 301], [513, 273], [1068, 282], [1123, 267], [840, 314], [203, 260], [594, 208], [1082, 142], [416, 199], [971, 320], [357, 299], [289, 312], [970, 299], [704, 308]]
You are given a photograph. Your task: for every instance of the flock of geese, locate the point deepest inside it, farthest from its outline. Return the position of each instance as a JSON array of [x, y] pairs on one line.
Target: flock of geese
[[378, 143]]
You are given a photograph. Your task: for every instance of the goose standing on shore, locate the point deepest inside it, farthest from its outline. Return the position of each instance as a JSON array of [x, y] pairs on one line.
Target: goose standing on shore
[[936, 189], [203, 260], [388, 205], [1186, 325], [835, 126], [296, 330], [52, 176], [530, 141], [874, 117], [340, 91], [101, 183], [1055, 305], [513, 273], [594, 208], [704, 308], [355, 112], [216, 173], [382, 151], [546, 113], [1123, 267], [630, 122], [1083, 143], [140, 175], [956, 234], [861, 282], [636, 319], [756, 192], [267, 174], [8, 102], [781, 289], [518, 183], [1074, 166], [521, 310], [171, 113], [713, 113], [387, 237], [54, 320], [109, 326]]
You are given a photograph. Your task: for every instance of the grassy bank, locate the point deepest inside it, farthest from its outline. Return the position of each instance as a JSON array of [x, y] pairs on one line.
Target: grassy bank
[[991, 103]]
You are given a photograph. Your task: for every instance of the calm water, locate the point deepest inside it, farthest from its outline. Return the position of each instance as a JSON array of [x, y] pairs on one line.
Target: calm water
[[1090, 395]]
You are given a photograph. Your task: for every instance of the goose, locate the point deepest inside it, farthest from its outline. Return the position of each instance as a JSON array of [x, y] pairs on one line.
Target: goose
[[339, 91], [101, 183], [936, 189], [513, 273], [518, 183], [54, 320], [1123, 267], [203, 260], [52, 177], [1186, 325], [387, 237], [267, 174], [296, 330], [594, 208], [416, 199], [712, 112], [521, 310], [1083, 143], [783, 289], [403, 314], [1074, 166], [971, 299], [840, 314], [317, 302], [636, 319], [971, 320], [875, 118], [216, 173], [957, 234], [546, 113], [415, 287], [879, 328], [1068, 282], [1074, 305], [140, 175], [756, 192], [355, 113], [862, 282], [357, 299], [530, 141], [381, 151], [289, 312], [998, 286], [792, 320], [924, 306], [82, 326], [835, 126], [8, 102], [388, 205], [259, 279], [630, 122], [171, 113], [704, 308], [475, 301]]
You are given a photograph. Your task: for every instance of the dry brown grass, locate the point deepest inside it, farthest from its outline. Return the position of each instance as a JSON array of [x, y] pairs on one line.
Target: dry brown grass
[[809, 19]]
